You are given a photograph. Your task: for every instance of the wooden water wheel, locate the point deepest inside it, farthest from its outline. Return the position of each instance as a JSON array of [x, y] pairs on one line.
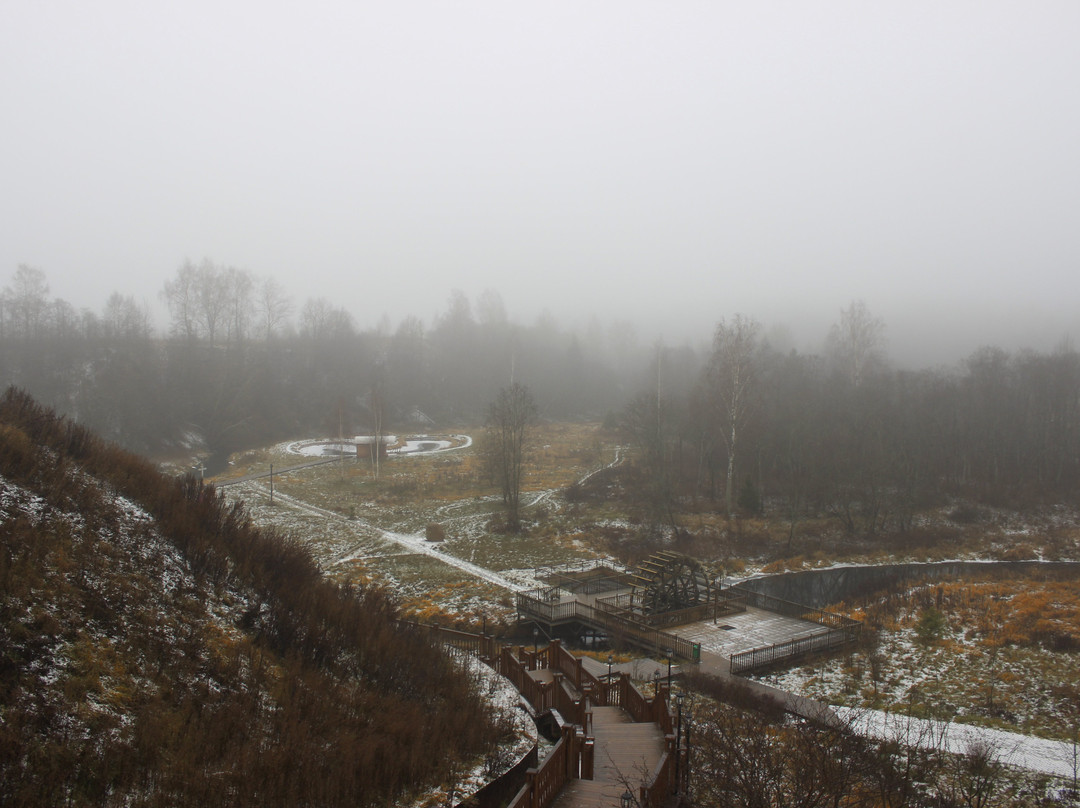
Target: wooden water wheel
[[669, 582]]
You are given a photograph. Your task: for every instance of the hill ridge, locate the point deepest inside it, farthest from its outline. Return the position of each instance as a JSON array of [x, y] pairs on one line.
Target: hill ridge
[[160, 650]]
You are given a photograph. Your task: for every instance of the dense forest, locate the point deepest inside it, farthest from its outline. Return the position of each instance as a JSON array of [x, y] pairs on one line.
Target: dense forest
[[156, 649], [240, 365], [741, 426]]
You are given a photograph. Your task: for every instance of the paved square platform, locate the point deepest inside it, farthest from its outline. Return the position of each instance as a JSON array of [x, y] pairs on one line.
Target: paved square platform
[[741, 632]]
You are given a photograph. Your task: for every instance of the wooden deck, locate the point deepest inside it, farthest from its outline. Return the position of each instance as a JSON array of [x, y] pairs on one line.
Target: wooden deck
[[626, 755]]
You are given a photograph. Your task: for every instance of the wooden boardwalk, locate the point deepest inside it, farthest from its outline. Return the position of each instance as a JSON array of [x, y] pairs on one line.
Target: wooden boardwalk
[[626, 755]]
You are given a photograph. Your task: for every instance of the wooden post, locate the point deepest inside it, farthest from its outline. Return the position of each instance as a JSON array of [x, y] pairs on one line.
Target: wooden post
[[569, 737], [530, 782], [588, 757]]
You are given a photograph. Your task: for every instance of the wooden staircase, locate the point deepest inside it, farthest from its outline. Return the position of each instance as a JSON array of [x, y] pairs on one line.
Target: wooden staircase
[[626, 755]]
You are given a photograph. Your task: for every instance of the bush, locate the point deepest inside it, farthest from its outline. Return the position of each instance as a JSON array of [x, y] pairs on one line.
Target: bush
[[930, 626]]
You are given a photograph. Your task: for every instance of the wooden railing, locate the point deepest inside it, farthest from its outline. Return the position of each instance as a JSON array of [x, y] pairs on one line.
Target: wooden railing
[[630, 606], [533, 606], [573, 755], [543, 783], [585, 577], [657, 790]]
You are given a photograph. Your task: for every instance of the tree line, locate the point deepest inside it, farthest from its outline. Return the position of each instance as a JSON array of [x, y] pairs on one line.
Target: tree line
[[741, 426], [241, 364], [751, 430]]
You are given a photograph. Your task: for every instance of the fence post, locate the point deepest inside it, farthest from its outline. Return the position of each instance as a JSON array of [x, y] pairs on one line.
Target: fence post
[[588, 755], [530, 783], [569, 737]]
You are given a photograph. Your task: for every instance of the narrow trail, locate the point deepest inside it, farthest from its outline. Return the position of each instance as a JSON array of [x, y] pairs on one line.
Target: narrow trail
[[414, 543]]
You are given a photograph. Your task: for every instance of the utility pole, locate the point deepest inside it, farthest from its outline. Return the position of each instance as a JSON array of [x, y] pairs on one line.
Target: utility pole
[[271, 483]]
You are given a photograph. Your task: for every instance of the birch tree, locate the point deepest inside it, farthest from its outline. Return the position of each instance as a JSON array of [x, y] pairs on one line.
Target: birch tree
[[733, 374], [855, 343]]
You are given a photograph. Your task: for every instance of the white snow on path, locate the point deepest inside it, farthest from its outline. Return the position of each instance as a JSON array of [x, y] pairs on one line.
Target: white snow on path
[[1024, 751], [618, 459], [541, 496], [412, 542], [418, 544]]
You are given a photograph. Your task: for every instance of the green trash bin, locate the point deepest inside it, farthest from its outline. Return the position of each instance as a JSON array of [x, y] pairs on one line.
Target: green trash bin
[[696, 651]]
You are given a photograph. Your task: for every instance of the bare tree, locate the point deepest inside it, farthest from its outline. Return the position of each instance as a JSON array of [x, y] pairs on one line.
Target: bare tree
[[240, 303], [180, 297], [733, 373], [378, 407], [274, 307], [212, 298], [509, 419], [976, 775], [27, 301], [124, 318], [322, 320], [856, 342], [205, 298]]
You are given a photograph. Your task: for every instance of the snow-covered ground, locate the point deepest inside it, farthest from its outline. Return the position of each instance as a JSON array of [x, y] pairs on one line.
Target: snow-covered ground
[[424, 445], [1056, 758], [512, 581], [522, 737], [411, 446], [418, 544]]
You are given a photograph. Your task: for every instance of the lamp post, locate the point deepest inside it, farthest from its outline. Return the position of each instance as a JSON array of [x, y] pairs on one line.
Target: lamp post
[[610, 659], [656, 683], [627, 799], [536, 640], [678, 741], [669, 653], [689, 725]]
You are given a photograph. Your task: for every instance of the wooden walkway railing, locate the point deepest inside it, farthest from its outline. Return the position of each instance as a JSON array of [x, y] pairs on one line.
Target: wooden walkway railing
[[572, 693], [533, 606]]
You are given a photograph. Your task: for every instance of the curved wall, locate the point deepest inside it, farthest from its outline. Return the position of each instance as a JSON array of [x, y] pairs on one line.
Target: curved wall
[[820, 588]]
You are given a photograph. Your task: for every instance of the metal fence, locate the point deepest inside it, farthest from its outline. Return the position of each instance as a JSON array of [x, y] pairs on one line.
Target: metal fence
[[769, 655], [790, 609]]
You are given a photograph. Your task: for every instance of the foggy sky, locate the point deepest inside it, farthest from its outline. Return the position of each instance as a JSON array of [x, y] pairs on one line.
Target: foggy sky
[[668, 164]]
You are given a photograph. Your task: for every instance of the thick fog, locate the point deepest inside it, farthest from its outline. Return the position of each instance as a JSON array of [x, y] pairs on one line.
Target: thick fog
[[664, 164]]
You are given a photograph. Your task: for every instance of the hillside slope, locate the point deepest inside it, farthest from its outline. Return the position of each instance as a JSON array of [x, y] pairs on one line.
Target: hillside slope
[[155, 649]]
